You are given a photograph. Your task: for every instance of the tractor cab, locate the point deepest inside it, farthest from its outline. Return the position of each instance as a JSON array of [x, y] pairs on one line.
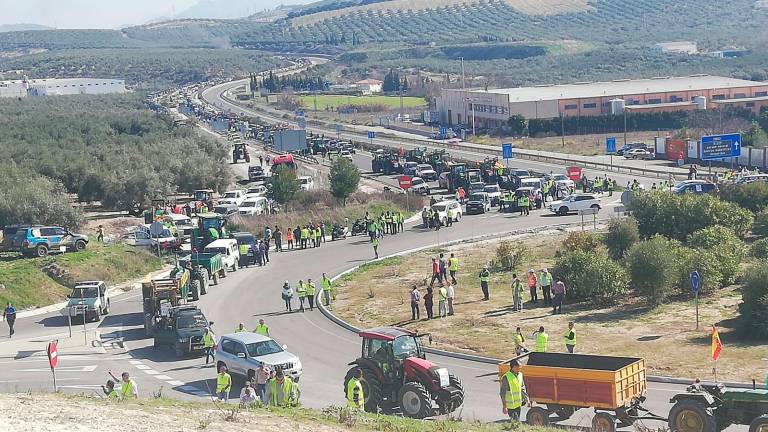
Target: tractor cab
[[210, 227], [240, 152], [203, 198]]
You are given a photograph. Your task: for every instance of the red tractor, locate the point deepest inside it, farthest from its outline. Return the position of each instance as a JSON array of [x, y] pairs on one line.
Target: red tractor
[[397, 376]]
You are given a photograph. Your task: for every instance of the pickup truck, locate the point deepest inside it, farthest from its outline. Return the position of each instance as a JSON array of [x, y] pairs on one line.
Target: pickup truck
[[89, 299]]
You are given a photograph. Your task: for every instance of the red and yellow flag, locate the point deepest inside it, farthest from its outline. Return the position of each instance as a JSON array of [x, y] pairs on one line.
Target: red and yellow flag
[[717, 346]]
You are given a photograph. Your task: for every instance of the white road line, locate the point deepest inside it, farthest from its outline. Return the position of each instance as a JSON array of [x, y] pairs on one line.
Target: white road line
[[134, 362], [175, 383], [163, 377], [9, 381], [142, 367], [151, 372], [89, 368]]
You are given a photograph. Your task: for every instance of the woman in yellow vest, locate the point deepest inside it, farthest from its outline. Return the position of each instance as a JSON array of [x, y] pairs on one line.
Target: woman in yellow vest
[[355, 395], [512, 391]]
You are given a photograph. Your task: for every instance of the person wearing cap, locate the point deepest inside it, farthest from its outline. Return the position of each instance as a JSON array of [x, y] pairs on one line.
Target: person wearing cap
[[545, 281], [485, 278], [287, 295], [532, 286], [512, 391]]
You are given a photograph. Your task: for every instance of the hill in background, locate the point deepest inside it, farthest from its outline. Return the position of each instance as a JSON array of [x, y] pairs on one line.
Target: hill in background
[[22, 27]]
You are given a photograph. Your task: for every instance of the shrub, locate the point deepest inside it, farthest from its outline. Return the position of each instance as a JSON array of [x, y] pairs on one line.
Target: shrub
[[509, 256], [582, 241], [753, 196], [621, 235], [591, 275], [285, 185], [703, 261], [727, 249], [760, 226], [653, 268], [754, 309], [759, 249]]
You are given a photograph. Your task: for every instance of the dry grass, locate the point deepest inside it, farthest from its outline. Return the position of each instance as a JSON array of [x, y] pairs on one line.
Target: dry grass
[[665, 337], [585, 145]]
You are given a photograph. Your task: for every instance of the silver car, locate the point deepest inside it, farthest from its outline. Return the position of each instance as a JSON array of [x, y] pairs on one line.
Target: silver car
[[243, 352]]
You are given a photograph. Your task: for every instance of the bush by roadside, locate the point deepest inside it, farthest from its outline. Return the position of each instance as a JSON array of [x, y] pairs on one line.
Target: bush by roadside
[[622, 234], [592, 275], [752, 196], [754, 309], [759, 249], [760, 227], [727, 250], [653, 268]]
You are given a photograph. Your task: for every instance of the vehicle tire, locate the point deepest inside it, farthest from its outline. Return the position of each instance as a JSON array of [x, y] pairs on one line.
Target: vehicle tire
[[216, 278], [41, 251], [178, 350], [562, 211], [458, 217], [371, 388], [537, 416], [691, 416], [251, 376], [414, 401], [79, 245], [106, 310], [234, 267], [194, 289], [759, 424], [456, 382], [603, 422], [203, 284], [96, 315]]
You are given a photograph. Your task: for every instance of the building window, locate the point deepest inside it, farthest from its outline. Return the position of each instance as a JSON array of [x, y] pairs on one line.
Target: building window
[[653, 101], [571, 107], [761, 94], [590, 105], [675, 99], [750, 104], [718, 97], [739, 96]]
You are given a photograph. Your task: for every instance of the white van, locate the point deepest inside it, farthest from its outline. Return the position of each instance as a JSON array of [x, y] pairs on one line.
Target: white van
[[230, 252], [253, 206]]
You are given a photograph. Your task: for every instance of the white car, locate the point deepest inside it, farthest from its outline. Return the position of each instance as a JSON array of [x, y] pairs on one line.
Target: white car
[[426, 172], [531, 182], [253, 206], [256, 191], [442, 210], [345, 154], [563, 180], [229, 250], [235, 197], [751, 178], [574, 203], [419, 186], [638, 153], [141, 237], [494, 194], [306, 183], [243, 352]]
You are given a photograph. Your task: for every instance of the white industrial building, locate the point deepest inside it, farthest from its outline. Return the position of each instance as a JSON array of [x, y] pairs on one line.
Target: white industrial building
[[61, 87], [681, 47]]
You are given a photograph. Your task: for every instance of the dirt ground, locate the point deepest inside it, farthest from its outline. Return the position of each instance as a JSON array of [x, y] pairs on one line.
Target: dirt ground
[[666, 336]]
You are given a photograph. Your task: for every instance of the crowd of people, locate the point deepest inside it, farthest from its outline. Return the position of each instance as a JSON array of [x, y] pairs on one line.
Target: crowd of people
[[306, 293]]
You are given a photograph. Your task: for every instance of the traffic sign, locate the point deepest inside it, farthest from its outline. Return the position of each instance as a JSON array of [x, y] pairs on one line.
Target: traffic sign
[[405, 182], [695, 282], [299, 113], [720, 146], [338, 128], [610, 145], [506, 151], [443, 132], [371, 135], [53, 354]]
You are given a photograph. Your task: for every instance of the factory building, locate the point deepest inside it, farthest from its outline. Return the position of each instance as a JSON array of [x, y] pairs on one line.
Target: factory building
[[492, 108], [61, 87]]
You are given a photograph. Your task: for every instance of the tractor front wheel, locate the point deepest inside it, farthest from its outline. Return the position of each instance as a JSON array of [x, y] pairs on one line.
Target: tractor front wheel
[[371, 388], [415, 401], [691, 416], [759, 424]]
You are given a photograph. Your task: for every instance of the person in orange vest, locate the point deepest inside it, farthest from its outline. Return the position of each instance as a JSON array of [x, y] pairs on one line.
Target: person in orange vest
[[532, 285]]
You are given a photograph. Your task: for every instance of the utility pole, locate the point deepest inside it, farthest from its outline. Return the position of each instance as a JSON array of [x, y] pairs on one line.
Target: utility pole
[[473, 119], [401, 101], [463, 82], [562, 129], [625, 126]]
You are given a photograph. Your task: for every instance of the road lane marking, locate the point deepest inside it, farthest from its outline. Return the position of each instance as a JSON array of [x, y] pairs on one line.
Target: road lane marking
[[151, 372], [163, 377], [134, 362], [175, 383], [89, 368], [142, 367]]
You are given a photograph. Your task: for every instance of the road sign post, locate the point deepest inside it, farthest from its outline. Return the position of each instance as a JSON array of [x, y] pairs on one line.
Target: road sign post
[[696, 287], [53, 359], [405, 182], [371, 136], [506, 152], [610, 147]]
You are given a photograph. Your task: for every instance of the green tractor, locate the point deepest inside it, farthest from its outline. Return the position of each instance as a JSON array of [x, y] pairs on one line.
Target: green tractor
[[210, 227], [386, 163], [713, 407], [417, 155]]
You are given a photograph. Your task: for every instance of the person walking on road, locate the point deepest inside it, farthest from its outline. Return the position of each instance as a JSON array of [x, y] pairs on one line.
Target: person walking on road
[[517, 293], [209, 342], [512, 392], [223, 384], [570, 338], [428, 305], [262, 328], [375, 244], [453, 267], [261, 378], [327, 287], [277, 234], [415, 299], [532, 286], [443, 267], [485, 278], [264, 249], [9, 315], [128, 387], [545, 281], [287, 295], [301, 291], [289, 238], [559, 291], [542, 340], [436, 274], [355, 395], [442, 304], [519, 341], [311, 291], [451, 293]]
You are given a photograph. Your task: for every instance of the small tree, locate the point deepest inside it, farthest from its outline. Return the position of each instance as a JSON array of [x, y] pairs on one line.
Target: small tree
[[592, 275], [622, 234], [653, 268], [727, 249], [759, 249], [582, 241], [754, 309], [760, 227], [518, 123], [510, 255], [285, 185], [345, 178]]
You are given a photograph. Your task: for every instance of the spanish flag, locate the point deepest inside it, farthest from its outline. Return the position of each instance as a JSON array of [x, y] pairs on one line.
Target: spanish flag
[[717, 346]]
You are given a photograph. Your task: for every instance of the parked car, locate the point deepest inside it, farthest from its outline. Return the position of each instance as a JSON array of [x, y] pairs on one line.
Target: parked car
[[638, 153], [494, 193], [426, 172], [253, 206], [41, 240], [256, 173], [243, 352], [89, 300], [442, 208], [574, 203], [229, 250], [751, 178], [141, 237], [694, 187], [531, 182], [256, 191], [519, 172], [419, 186], [306, 183], [346, 155], [235, 196], [226, 210], [409, 168], [181, 224], [627, 147], [478, 203], [563, 180]]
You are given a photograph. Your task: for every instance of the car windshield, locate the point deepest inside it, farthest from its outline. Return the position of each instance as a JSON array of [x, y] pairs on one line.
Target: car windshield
[[492, 189], [560, 177], [200, 196], [85, 292], [304, 180], [405, 346], [217, 250], [477, 197], [230, 195], [680, 185], [249, 204], [195, 320], [439, 207], [259, 349], [221, 210]]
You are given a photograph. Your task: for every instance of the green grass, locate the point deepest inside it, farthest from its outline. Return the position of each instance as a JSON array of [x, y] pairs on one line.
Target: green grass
[[25, 284], [391, 102]]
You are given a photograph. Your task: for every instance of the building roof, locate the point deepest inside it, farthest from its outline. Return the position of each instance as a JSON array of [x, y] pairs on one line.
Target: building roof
[[370, 81], [741, 100], [658, 105], [621, 87]]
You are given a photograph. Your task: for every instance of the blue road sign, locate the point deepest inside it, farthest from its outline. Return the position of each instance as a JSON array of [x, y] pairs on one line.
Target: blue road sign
[[720, 146], [338, 128], [299, 113], [371, 135], [506, 151], [695, 282], [443, 131], [610, 145]]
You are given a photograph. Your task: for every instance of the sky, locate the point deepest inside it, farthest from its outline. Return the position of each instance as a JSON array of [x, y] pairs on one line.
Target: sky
[[90, 13]]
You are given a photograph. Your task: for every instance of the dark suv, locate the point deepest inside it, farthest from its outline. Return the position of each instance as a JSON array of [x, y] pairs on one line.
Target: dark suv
[[40, 240]]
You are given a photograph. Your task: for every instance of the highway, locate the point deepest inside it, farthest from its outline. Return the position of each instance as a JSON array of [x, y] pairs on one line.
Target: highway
[[250, 294]]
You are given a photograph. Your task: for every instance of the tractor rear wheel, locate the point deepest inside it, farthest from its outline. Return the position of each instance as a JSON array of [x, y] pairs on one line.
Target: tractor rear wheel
[[371, 388], [759, 424], [415, 401], [691, 416], [194, 289]]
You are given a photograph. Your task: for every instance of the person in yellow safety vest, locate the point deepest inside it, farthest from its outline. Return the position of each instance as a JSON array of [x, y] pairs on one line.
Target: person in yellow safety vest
[[304, 237], [485, 278], [517, 293], [301, 291], [209, 342], [355, 394], [453, 267], [400, 221], [512, 391], [311, 291], [449, 215], [262, 328], [570, 338], [519, 341], [244, 250], [110, 391], [442, 305], [283, 391], [318, 236], [241, 328], [223, 384], [542, 339], [545, 282], [128, 387], [327, 286], [523, 203], [312, 237]]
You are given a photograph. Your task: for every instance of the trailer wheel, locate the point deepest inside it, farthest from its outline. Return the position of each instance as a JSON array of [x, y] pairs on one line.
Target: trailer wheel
[[691, 416], [759, 424], [537, 416], [603, 422]]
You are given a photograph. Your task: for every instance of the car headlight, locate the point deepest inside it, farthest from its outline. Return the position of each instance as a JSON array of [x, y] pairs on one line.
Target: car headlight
[[184, 340]]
